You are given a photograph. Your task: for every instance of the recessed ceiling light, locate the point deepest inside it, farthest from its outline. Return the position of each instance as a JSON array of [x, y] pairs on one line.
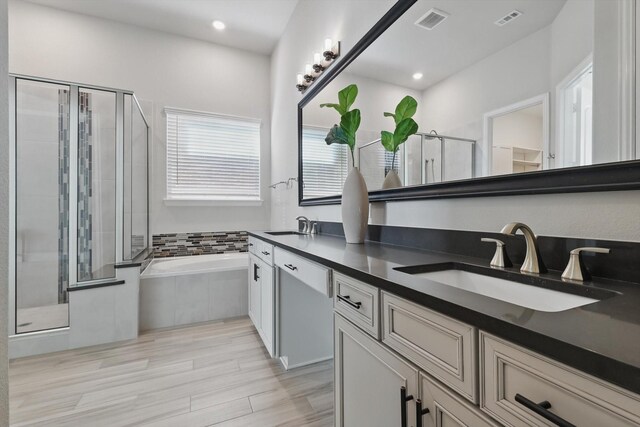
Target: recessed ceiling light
[[417, 76], [218, 25]]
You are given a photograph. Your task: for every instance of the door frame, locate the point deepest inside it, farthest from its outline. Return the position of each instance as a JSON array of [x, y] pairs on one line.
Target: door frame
[[489, 117], [561, 87]]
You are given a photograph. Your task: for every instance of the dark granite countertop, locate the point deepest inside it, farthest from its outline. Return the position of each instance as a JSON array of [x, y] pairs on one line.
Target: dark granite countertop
[[602, 338]]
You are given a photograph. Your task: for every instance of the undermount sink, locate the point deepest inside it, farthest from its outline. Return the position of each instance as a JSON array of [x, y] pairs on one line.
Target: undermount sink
[[525, 295], [285, 233]]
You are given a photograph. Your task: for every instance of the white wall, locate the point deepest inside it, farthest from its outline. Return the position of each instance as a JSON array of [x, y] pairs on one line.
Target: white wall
[[163, 70], [610, 215], [4, 217], [304, 35]]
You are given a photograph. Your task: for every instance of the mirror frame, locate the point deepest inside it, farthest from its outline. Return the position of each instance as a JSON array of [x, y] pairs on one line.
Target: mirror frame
[[616, 176]]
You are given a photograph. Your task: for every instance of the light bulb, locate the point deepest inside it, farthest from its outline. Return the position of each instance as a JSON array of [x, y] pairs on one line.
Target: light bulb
[[300, 79], [218, 25], [317, 58], [308, 70], [417, 76], [328, 45]]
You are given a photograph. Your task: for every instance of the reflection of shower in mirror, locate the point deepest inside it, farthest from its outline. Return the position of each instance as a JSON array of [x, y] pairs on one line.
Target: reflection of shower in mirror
[[424, 159]]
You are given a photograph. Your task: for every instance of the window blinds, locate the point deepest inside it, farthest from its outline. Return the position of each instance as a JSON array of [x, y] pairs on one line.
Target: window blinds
[[325, 166], [212, 157]]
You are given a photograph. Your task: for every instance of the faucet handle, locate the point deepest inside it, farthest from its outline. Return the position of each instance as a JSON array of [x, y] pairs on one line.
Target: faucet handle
[[576, 270], [500, 258]]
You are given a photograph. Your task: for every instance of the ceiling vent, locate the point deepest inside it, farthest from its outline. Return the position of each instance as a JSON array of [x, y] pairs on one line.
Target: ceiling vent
[[508, 18], [431, 19]]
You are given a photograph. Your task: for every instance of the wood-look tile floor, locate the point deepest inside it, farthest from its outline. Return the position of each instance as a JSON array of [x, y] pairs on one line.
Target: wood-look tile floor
[[211, 374]]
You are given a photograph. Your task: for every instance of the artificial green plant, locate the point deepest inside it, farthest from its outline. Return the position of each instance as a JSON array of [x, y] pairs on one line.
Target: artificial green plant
[[405, 126], [345, 133]]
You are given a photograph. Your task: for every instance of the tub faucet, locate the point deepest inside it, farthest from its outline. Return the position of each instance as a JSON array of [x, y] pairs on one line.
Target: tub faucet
[[532, 261], [307, 224]]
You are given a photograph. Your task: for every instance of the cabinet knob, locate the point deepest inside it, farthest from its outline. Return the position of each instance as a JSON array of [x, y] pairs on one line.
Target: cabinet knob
[[420, 412], [403, 405], [542, 409]]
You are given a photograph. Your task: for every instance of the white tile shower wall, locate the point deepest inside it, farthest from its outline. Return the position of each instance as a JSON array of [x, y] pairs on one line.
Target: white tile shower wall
[[163, 70], [610, 215]]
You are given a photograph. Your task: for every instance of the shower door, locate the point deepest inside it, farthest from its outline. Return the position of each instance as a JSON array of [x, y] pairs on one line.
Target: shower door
[[42, 144], [68, 184]]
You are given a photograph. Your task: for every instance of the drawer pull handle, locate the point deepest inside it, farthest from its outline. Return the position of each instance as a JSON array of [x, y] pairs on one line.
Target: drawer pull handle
[[256, 267], [291, 267], [542, 409], [420, 412], [347, 299], [265, 253], [250, 244], [403, 405]]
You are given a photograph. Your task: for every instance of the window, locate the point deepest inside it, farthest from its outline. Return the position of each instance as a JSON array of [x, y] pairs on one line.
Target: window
[[325, 166], [212, 157]]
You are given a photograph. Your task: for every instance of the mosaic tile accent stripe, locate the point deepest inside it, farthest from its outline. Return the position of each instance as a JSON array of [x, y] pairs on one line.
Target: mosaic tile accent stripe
[[63, 195], [85, 171], [201, 243]]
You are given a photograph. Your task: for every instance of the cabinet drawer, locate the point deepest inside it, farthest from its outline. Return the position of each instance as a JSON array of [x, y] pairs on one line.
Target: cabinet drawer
[[442, 346], [582, 400], [254, 245], [446, 408], [358, 302], [261, 249], [314, 275]]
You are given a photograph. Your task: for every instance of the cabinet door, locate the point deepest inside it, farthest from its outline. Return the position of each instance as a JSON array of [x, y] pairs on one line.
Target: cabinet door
[[447, 409], [267, 305], [368, 381], [254, 291]]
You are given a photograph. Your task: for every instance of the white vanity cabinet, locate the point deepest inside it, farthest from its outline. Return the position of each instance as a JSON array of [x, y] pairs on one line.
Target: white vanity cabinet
[[465, 377], [515, 381], [255, 302], [370, 380], [262, 292]]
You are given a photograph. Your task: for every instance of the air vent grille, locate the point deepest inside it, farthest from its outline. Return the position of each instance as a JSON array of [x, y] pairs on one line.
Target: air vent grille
[[508, 18], [431, 19]]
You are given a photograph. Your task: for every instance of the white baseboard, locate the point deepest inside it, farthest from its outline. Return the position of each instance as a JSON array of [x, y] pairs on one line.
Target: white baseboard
[[285, 362]]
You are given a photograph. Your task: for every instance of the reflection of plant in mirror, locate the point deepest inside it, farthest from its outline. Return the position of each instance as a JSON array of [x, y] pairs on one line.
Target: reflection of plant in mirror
[[405, 126], [345, 133]]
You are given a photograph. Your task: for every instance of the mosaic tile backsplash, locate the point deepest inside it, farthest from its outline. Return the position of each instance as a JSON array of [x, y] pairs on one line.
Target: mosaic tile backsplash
[[185, 244]]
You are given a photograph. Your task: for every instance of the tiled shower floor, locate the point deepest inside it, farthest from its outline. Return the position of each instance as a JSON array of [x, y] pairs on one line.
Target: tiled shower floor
[[40, 318]]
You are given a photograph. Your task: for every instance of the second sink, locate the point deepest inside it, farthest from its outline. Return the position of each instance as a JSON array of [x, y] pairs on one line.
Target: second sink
[[285, 233]]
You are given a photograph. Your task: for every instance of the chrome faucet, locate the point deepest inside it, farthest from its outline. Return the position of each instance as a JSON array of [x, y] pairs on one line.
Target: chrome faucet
[[532, 261], [307, 224]]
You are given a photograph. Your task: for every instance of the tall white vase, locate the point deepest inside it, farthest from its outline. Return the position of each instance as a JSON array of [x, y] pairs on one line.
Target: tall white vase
[[355, 207], [392, 180]]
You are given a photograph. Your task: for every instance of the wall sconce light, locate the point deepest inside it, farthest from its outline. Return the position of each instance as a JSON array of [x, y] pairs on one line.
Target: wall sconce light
[[321, 61]]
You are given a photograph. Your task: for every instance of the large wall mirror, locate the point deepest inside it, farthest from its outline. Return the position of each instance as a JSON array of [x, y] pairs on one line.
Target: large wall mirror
[[514, 97]]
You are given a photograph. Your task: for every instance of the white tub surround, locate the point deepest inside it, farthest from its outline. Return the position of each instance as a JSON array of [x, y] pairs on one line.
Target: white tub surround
[[195, 264], [185, 290]]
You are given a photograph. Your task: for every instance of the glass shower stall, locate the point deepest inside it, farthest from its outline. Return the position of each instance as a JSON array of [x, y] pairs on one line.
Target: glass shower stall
[[79, 171]]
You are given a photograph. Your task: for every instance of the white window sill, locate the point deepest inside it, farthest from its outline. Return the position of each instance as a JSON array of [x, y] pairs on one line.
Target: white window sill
[[204, 202]]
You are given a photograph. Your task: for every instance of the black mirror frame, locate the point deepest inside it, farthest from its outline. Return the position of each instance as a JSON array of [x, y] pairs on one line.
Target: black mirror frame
[[617, 176]]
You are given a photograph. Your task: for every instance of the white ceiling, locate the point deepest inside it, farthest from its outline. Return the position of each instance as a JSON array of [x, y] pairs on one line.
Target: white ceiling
[[467, 36], [254, 25]]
